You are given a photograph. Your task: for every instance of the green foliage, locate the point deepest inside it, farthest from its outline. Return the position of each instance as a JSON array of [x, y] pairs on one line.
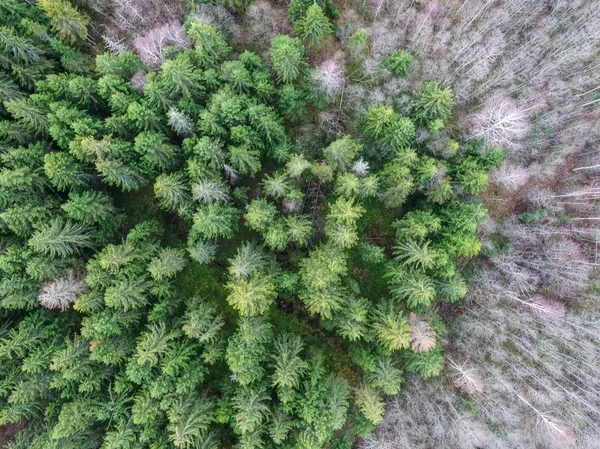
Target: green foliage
[[61, 238], [215, 220], [287, 56], [67, 22], [427, 364], [247, 350], [169, 328], [398, 62], [370, 403], [432, 102], [320, 274], [314, 26], [391, 328]]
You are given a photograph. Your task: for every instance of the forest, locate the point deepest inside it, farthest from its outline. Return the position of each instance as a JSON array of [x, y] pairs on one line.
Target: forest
[[299, 224]]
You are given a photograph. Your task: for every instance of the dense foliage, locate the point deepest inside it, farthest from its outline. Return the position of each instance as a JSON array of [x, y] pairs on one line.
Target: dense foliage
[[183, 265]]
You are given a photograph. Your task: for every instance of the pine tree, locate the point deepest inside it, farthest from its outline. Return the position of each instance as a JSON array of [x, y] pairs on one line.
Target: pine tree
[[64, 172], [208, 42], [287, 56], [154, 343], [341, 227], [180, 79], [386, 376], [61, 292], [203, 251], [182, 124], [61, 238], [171, 190], [321, 273], [289, 367], [391, 328], [215, 220], [116, 173], [260, 214], [352, 320], [202, 321], [370, 403], [415, 254], [427, 364], [432, 102], [245, 159], [18, 48], [251, 409], [415, 287], [167, 263], [342, 152], [89, 207], [299, 229], [314, 26], [67, 22], [127, 294], [236, 74], [248, 260], [252, 296], [280, 425], [276, 236], [398, 63], [27, 115], [210, 190], [189, 421], [155, 150], [247, 350], [276, 185]]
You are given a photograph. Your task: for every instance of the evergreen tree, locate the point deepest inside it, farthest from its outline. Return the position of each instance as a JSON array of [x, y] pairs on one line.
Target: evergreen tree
[[370, 403], [432, 102], [252, 296], [314, 26], [167, 264], [289, 367], [215, 220], [287, 56], [399, 62], [321, 274], [61, 238], [67, 22], [209, 191], [64, 172], [247, 350], [391, 328], [260, 214], [171, 190]]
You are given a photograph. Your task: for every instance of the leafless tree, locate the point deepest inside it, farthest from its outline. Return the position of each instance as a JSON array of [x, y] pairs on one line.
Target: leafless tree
[[331, 76], [151, 46], [422, 337], [500, 122]]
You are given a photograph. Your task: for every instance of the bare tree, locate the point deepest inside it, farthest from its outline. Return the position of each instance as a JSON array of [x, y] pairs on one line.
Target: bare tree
[[151, 46], [501, 122]]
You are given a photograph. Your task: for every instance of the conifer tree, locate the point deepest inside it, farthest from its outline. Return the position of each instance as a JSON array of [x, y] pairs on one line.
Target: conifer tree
[[215, 220], [432, 102], [61, 238], [67, 22], [399, 62], [287, 55], [89, 207], [314, 26], [64, 172], [391, 327], [167, 264], [171, 190]]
